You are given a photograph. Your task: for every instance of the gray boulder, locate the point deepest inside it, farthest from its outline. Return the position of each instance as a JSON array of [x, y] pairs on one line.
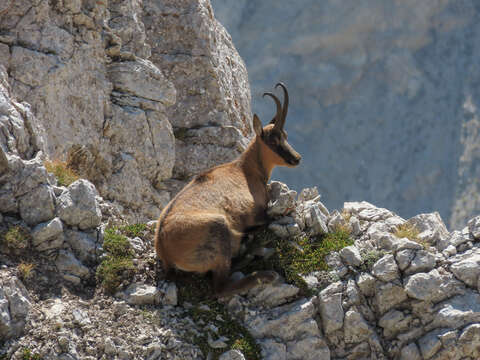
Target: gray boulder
[[48, 235], [78, 205]]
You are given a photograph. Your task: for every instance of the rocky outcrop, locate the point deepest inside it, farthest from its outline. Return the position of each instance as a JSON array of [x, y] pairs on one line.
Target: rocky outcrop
[[101, 104], [417, 300], [211, 118], [384, 102]]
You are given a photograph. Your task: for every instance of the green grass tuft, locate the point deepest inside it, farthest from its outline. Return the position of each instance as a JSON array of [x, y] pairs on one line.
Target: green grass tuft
[[134, 230], [290, 262], [16, 238], [27, 354], [370, 258], [64, 174], [117, 266]]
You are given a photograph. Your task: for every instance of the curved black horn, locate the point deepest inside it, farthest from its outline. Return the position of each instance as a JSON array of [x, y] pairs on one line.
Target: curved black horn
[[285, 103], [278, 115]]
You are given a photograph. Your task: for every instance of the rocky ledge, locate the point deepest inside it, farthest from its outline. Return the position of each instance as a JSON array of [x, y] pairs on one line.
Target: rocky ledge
[[401, 289]]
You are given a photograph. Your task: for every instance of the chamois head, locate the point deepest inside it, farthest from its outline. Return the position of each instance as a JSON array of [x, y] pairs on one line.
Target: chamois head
[[274, 136]]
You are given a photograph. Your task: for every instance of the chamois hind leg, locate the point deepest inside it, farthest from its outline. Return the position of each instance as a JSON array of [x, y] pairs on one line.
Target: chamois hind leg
[[223, 288], [221, 234]]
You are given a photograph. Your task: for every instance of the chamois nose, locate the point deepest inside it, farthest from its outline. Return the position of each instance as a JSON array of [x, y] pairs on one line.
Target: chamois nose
[[296, 160]]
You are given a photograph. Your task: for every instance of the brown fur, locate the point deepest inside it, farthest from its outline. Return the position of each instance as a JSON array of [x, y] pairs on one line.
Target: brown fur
[[201, 228]]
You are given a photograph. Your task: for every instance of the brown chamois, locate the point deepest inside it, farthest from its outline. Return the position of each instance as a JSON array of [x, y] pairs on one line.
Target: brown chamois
[[201, 228]]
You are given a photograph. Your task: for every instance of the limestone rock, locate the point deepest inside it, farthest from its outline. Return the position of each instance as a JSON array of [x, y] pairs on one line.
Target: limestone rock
[[232, 355], [282, 199], [432, 286], [386, 268], [48, 235], [78, 206], [356, 329], [474, 227], [197, 55], [467, 269], [70, 268], [37, 205], [422, 262], [331, 310], [142, 294], [15, 304], [84, 245], [431, 227], [351, 256]]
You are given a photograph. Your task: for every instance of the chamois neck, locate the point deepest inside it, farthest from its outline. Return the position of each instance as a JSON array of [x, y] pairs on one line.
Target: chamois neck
[[253, 160]]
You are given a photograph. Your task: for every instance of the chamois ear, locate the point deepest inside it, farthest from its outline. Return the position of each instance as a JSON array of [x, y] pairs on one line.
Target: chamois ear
[[257, 125]]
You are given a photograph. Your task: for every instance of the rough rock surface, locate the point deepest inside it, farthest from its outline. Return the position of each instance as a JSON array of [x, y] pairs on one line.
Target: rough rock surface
[[211, 118], [101, 104], [384, 102]]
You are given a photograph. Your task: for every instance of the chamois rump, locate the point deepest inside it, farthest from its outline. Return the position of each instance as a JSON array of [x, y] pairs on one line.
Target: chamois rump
[[200, 230]]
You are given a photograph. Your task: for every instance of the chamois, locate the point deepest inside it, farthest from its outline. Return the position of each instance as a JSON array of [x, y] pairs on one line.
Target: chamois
[[200, 230]]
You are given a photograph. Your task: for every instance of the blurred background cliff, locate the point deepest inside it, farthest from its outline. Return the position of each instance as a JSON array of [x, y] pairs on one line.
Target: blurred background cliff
[[384, 96]]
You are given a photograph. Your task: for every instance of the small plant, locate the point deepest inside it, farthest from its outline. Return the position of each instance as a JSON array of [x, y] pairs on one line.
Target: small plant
[[238, 337], [16, 238], [134, 230], [25, 270], [117, 265], [410, 232], [370, 257], [64, 174], [27, 354]]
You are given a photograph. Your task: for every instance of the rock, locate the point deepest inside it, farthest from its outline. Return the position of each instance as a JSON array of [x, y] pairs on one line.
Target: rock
[[432, 286], [84, 245], [410, 352], [310, 348], [356, 329], [422, 262], [232, 355], [142, 79], [142, 294], [429, 344], [315, 220], [197, 55], [431, 227], [286, 321], [15, 304], [394, 322], [29, 205], [467, 269], [272, 350], [404, 243], [48, 235], [282, 199], [457, 311], [330, 308], [273, 294], [404, 258], [366, 284], [388, 295], [335, 221], [386, 268], [351, 256], [80, 317], [78, 206], [69, 266], [474, 227], [469, 341]]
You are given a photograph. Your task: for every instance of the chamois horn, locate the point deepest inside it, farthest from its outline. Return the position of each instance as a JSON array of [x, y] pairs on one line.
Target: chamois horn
[[285, 104], [278, 115]]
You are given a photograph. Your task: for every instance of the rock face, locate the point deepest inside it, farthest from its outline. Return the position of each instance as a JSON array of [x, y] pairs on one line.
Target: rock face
[[211, 118], [101, 104], [384, 102]]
